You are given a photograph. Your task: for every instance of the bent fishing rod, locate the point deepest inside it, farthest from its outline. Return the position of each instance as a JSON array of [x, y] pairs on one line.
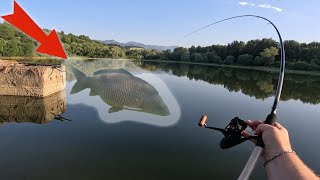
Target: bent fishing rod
[[233, 131]]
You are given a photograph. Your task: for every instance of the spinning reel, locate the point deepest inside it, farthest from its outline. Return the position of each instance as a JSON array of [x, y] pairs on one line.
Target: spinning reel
[[232, 132]]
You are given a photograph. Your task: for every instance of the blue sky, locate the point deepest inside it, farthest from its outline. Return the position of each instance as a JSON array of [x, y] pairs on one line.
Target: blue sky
[[165, 22]]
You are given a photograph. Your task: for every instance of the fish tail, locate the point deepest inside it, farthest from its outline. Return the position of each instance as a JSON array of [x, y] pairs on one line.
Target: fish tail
[[80, 76], [81, 81]]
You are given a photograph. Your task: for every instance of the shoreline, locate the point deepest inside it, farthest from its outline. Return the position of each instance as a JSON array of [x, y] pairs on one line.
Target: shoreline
[[257, 68]]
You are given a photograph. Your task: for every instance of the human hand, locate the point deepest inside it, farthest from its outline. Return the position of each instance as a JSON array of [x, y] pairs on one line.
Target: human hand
[[275, 138]]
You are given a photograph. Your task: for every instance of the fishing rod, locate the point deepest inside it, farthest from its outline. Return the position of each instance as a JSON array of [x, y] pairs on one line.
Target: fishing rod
[[233, 131]]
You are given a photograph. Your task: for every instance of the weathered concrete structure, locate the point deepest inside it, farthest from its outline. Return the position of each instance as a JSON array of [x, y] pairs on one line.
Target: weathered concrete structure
[[23, 79]]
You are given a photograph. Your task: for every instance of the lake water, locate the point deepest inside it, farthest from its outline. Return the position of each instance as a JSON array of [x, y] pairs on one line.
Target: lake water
[[138, 120]]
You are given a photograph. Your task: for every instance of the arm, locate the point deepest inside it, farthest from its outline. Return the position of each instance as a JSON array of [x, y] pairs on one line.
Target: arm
[[289, 166], [286, 166]]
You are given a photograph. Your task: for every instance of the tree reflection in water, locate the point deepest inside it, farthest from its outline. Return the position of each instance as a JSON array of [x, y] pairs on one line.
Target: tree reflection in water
[[258, 84]]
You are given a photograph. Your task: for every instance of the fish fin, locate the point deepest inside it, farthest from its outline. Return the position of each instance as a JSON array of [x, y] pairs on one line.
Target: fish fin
[[80, 84], [132, 109], [77, 87], [80, 76], [105, 71], [93, 93], [114, 109]]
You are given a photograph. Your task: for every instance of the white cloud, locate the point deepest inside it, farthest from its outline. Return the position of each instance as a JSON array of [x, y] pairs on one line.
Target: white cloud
[[268, 6], [246, 3]]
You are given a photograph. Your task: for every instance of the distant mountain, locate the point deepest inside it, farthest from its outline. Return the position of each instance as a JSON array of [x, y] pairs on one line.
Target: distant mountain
[[136, 44]]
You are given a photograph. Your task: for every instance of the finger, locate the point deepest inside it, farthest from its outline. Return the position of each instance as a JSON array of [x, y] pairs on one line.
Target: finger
[[245, 134], [253, 124], [263, 127], [278, 125]]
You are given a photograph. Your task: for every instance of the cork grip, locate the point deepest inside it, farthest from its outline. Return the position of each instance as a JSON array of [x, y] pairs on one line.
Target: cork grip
[[203, 120]]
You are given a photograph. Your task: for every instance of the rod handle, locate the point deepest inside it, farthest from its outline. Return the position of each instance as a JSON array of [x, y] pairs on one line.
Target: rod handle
[[271, 119], [202, 121]]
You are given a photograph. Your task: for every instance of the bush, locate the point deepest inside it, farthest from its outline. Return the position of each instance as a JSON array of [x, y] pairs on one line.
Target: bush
[[315, 64], [299, 66], [315, 67]]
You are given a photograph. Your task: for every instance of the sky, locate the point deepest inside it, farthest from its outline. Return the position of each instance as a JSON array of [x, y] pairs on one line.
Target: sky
[[166, 22]]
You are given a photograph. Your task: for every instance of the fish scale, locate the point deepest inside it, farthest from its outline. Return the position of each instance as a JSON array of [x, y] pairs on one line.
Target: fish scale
[[123, 90]]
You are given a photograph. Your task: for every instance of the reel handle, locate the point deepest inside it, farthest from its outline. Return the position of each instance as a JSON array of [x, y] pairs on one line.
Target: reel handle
[[203, 120]]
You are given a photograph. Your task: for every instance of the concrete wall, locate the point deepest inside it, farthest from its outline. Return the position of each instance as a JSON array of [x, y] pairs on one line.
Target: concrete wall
[[30, 80]]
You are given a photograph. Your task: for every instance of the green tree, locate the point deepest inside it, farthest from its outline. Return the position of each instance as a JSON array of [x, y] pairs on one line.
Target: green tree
[[213, 57], [165, 54], [6, 31], [2, 46], [28, 49], [236, 48], [88, 49], [268, 55], [245, 59], [229, 60], [178, 52], [11, 49], [257, 61], [293, 50], [200, 58], [185, 57], [192, 49]]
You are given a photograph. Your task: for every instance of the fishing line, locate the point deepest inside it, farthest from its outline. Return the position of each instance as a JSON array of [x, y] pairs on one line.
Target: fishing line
[[282, 54]]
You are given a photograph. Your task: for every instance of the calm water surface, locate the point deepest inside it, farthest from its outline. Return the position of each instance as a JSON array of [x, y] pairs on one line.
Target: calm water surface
[[139, 121]]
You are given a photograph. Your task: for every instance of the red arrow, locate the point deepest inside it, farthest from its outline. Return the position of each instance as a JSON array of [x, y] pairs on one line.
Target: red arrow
[[49, 44]]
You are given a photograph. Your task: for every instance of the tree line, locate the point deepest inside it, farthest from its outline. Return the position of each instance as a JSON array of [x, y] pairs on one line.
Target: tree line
[[15, 43], [264, 52]]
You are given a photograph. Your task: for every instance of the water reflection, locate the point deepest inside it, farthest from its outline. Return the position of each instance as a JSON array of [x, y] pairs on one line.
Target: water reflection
[[258, 84], [122, 91], [39, 110]]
